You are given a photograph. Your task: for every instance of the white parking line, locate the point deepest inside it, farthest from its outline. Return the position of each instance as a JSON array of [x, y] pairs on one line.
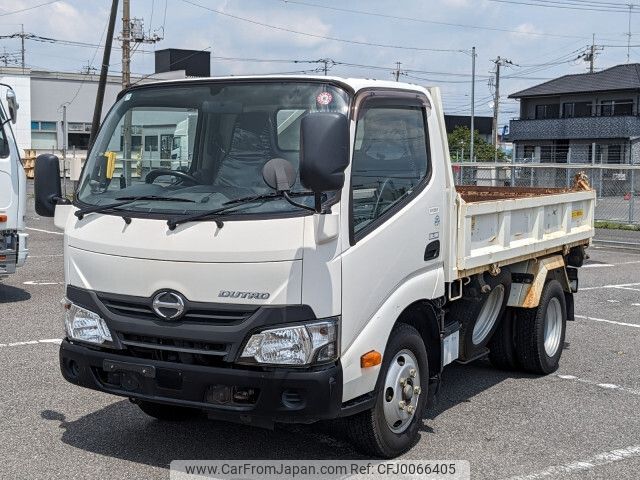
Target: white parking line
[[44, 231], [598, 460], [584, 317], [33, 282], [621, 285], [31, 342], [604, 386], [598, 265]]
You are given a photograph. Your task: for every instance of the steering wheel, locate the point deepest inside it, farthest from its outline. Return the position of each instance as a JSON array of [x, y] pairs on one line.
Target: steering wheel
[[161, 172]]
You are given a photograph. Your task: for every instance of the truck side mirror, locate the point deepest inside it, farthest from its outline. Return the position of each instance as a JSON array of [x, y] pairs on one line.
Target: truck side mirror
[[12, 103], [47, 187], [324, 151]]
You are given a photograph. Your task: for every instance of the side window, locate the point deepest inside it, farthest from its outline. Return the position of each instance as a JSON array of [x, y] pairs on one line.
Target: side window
[[391, 157]]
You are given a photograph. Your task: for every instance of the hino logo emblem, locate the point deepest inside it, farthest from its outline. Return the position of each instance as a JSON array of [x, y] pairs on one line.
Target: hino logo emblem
[[168, 305], [251, 295]]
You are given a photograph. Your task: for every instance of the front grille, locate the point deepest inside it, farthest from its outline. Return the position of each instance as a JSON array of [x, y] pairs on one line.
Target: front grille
[[174, 350], [140, 307]]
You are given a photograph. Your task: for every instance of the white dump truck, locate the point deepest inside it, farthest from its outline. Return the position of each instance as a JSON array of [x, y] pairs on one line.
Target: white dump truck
[[314, 261], [13, 192]]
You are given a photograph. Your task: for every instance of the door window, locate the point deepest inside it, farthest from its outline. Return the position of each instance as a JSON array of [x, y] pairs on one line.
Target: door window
[[391, 158]]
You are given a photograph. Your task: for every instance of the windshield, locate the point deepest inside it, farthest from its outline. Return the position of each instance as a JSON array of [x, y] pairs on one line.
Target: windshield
[[204, 143]]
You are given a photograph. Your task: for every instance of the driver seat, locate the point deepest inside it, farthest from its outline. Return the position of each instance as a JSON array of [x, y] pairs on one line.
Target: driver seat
[[251, 147]]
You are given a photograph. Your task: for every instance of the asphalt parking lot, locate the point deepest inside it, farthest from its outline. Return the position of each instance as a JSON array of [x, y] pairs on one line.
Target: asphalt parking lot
[[582, 422]]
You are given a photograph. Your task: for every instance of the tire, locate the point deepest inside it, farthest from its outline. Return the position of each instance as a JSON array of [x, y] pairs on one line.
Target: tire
[[502, 346], [165, 412], [540, 331], [480, 315], [370, 431]]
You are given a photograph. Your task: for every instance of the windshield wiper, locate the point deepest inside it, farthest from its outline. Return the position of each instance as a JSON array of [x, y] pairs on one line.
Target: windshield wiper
[[172, 223], [125, 201]]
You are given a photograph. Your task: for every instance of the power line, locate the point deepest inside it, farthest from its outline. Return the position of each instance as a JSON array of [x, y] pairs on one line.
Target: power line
[[324, 37], [28, 8], [420, 20], [568, 6]]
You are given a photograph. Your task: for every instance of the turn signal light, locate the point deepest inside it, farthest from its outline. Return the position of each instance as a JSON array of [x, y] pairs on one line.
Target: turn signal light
[[370, 359], [3, 218]]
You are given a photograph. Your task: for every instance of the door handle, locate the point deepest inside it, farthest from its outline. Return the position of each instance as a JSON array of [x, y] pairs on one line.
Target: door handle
[[432, 251]]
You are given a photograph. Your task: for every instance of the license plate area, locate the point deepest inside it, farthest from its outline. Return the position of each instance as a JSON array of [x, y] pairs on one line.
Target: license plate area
[[111, 366]]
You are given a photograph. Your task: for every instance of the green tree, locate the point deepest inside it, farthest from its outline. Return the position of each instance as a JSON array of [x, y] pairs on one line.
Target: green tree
[[460, 143]]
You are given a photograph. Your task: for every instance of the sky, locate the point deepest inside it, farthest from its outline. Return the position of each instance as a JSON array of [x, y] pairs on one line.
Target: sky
[[431, 39]]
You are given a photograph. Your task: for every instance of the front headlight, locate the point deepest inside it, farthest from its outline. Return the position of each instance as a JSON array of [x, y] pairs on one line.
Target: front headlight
[[84, 325], [296, 345]]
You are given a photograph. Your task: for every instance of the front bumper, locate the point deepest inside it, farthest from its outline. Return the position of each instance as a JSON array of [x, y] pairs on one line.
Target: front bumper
[[279, 395], [13, 250]]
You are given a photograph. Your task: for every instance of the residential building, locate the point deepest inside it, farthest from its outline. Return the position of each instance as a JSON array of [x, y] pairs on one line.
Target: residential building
[[589, 118]]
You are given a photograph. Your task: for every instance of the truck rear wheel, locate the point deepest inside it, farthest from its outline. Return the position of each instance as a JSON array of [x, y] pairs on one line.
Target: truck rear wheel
[[390, 428], [162, 411], [480, 315], [540, 331], [502, 346]]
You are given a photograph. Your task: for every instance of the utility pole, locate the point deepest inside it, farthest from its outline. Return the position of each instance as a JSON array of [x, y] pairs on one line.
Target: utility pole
[[397, 72], [592, 54], [629, 34], [126, 48], [473, 102], [97, 111], [65, 141], [325, 64], [22, 48], [499, 62]]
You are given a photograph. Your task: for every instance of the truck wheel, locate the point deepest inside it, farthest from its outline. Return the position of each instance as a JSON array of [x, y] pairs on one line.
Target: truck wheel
[[162, 411], [502, 346], [390, 428], [540, 331], [480, 316]]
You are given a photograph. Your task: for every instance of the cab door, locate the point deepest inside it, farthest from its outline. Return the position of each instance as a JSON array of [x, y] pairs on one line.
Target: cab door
[[395, 209]]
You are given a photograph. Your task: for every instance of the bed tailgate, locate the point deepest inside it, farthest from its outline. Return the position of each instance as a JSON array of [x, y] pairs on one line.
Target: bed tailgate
[[504, 231]]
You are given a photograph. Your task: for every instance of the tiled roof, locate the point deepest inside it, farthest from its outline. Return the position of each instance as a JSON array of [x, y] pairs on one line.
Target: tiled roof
[[620, 77]]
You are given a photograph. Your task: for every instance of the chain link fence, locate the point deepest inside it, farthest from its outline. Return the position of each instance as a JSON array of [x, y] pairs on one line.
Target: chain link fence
[[617, 186]]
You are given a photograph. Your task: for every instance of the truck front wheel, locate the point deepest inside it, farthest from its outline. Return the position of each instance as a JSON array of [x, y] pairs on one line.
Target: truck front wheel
[[540, 331], [390, 428]]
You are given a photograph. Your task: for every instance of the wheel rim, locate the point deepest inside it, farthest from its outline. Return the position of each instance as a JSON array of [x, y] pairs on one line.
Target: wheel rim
[[552, 327], [488, 315], [401, 391]]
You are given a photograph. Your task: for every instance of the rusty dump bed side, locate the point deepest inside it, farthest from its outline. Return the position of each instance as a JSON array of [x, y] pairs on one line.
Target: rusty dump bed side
[[473, 194]]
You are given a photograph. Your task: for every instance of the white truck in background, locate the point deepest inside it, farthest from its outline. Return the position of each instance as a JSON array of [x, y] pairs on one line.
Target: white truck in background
[[13, 192], [314, 261]]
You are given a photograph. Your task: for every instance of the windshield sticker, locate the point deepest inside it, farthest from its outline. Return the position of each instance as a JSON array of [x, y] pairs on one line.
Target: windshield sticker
[[324, 98], [127, 97]]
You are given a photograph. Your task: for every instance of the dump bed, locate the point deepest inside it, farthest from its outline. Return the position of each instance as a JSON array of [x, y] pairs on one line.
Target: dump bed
[[503, 225]]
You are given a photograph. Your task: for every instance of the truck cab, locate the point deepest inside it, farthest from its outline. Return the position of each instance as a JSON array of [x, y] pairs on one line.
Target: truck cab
[[13, 192], [298, 266]]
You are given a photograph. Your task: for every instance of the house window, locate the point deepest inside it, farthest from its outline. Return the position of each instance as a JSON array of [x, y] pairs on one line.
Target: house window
[[529, 152], [576, 109], [623, 107], [610, 108], [78, 140], [614, 154], [151, 143], [43, 126], [548, 111]]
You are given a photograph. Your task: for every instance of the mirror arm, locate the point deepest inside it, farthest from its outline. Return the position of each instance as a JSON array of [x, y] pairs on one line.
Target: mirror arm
[[60, 200], [286, 196]]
